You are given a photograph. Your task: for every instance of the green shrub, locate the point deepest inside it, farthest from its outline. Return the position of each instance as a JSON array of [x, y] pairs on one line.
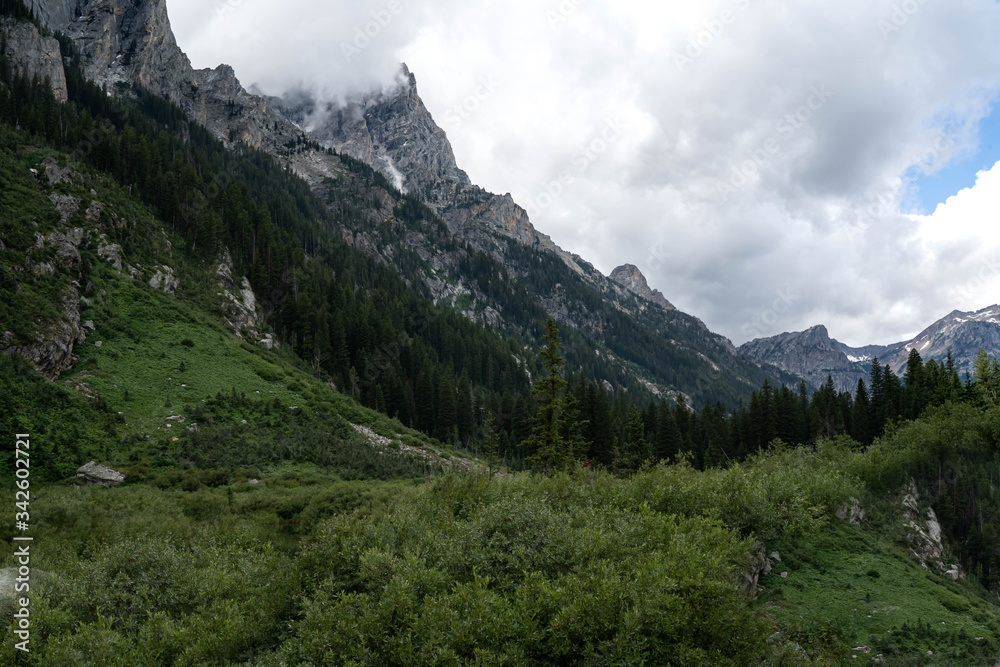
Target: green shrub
[[525, 566]]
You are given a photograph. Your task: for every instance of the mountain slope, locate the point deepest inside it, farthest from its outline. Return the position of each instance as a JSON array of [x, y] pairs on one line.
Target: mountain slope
[[394, 132], [169, 225], [633, 342]]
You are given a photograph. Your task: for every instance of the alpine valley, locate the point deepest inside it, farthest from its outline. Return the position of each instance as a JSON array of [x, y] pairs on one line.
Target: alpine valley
[[298, 392]]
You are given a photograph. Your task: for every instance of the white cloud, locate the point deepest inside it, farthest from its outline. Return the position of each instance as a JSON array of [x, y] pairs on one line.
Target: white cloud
[[961, 236], [823, 207]]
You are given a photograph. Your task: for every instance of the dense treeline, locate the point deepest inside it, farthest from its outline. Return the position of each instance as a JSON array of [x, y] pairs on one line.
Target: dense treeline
[[797, 418], [614, 432], [884, 400]]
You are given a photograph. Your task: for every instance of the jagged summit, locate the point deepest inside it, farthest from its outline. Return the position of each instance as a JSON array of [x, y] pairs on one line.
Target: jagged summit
[[629, 276], [390, 129], [810, 354]]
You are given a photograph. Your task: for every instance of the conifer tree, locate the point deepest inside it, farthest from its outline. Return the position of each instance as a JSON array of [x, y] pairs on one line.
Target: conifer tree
[[600, 430], [634, 449], [860, 416], [572, 429], [465, 416], [876, 419], [447, 412], [491, 442], [546, 443], [668, 436], [987, 377]]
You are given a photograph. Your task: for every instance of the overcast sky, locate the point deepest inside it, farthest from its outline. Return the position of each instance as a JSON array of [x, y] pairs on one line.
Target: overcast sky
[[768, 165]]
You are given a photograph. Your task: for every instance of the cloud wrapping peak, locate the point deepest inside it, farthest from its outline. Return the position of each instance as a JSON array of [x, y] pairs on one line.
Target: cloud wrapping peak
[[767, 149]]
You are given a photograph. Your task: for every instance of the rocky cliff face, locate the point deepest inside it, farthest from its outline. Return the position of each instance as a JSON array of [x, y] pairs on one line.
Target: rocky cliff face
[[122, 41], [811, 355], [129, 42], [55, 14], [33, 54], [391, 130], [629, 276]]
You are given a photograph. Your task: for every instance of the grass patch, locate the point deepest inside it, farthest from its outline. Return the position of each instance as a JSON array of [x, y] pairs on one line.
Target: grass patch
[[849, 587]]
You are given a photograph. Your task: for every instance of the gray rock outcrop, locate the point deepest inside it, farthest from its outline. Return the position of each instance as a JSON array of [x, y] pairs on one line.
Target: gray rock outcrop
[[239, 305], [924, 535], [50, 351], [851, 512], [164, 279], [95, 473], [50, 344]]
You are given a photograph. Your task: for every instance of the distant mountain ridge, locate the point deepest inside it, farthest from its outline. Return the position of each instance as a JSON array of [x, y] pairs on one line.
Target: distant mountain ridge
[[811, 355], [814, 356]]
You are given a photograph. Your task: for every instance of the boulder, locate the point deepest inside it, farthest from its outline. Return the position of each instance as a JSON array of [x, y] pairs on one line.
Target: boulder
[[95, 473]]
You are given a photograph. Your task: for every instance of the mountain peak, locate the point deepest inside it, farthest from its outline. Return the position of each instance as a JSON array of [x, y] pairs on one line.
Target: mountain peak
[[630, 277], [819, 331], [389, 129], [405, 75], [810, 354]]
